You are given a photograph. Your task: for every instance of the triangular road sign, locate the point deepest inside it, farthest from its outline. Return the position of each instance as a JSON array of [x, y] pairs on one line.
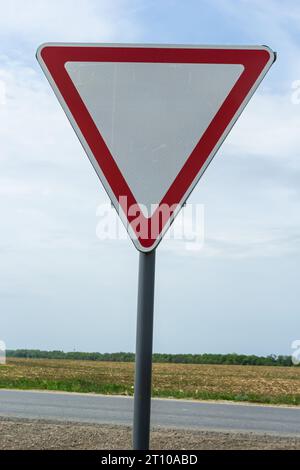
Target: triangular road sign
[[151, 118]]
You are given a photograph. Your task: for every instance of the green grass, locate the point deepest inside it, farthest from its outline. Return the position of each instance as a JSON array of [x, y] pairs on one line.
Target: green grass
[[74, 385], [247, 397], [86, 386], [265, 384]]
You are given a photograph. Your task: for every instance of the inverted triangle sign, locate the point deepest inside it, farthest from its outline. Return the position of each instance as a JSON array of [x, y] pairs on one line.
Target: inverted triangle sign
[[151, 118]]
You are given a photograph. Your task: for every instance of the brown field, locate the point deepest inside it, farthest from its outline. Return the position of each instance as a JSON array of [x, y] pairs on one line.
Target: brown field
[[264, 384]]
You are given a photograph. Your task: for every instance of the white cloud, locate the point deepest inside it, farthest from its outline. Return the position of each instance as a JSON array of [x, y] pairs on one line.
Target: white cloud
[[270, 127], [68, 20], [270, 22]]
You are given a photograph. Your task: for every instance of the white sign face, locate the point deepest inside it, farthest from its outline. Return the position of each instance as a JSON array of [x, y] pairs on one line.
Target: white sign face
[[170, 107], [151, 118]]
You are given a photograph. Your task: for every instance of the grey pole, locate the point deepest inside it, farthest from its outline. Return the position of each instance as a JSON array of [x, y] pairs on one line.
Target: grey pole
[[143, 354]]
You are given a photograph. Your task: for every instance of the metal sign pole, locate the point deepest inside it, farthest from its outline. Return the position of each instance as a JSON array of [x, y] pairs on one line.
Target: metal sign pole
[[143, 355]]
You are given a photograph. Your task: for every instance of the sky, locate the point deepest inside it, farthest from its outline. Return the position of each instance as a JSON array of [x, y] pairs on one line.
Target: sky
[[61, 287]]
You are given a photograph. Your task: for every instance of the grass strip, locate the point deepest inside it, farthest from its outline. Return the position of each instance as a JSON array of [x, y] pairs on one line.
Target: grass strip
[[86, 386]]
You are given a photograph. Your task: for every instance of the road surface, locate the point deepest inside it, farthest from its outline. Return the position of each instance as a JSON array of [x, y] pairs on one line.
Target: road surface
[[166, 413]]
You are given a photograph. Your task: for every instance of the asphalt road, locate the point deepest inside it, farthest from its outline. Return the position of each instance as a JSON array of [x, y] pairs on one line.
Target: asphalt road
[[166, 413]]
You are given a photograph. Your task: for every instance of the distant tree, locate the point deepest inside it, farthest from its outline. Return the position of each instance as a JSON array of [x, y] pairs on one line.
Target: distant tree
[[206, 358]]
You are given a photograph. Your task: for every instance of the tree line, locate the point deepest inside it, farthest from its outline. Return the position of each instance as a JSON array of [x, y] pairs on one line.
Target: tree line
[[232, 359]]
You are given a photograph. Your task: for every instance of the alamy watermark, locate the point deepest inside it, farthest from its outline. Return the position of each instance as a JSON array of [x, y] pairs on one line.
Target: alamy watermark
[[2, 92], [296, 353], [295, 96], [2, 352], [148, 223]]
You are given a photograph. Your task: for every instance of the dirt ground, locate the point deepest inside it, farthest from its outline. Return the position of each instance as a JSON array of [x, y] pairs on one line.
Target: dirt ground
[[40, 434]]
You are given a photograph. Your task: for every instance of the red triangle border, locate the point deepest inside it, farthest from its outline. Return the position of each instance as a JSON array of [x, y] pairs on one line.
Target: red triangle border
[[254, 61]]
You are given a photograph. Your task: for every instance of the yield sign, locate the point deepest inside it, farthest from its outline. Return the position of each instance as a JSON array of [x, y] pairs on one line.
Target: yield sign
[[151, 118]]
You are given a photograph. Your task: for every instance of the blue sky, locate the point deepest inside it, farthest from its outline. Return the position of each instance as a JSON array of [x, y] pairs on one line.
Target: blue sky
[[63, 288]]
